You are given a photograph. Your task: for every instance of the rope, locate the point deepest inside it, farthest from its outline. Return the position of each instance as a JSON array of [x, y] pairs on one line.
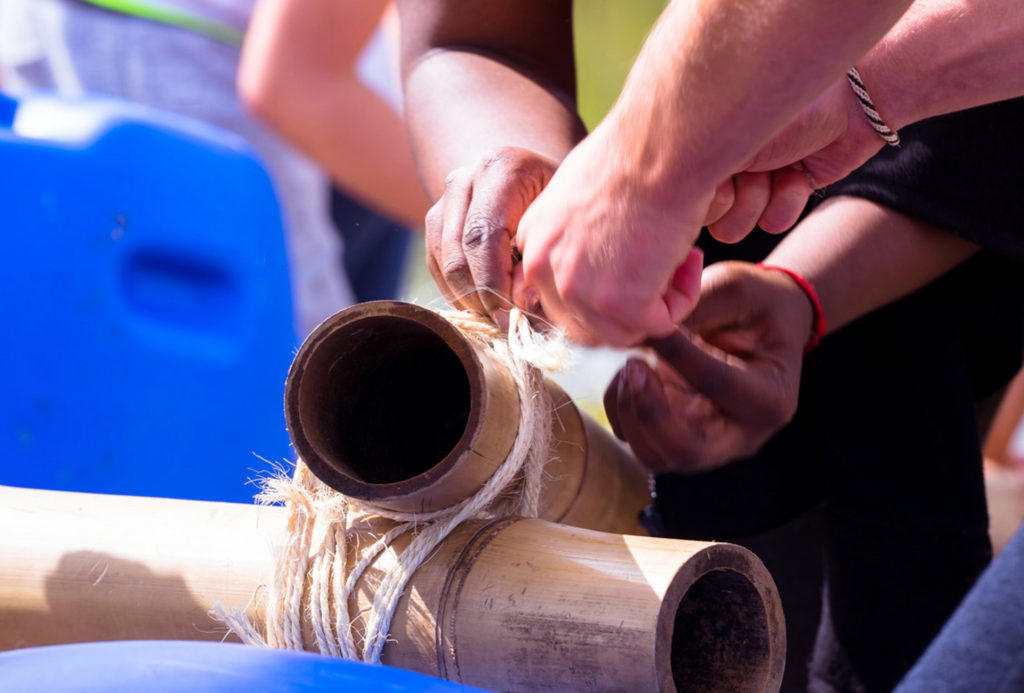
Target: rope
[[321, 520], [884, 131]]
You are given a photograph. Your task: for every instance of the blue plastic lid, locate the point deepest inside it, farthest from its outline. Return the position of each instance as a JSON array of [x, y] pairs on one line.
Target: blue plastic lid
[[199, 667]]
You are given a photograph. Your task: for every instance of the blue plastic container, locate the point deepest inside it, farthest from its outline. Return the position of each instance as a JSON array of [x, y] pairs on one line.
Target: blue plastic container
[[174, 667], [145, 305]]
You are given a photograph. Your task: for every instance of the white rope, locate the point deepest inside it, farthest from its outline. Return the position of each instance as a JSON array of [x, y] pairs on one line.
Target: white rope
[[314, 509]]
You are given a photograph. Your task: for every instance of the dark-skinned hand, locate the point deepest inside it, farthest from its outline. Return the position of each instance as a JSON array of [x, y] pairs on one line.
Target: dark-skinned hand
[[725, 382], [470, 231]]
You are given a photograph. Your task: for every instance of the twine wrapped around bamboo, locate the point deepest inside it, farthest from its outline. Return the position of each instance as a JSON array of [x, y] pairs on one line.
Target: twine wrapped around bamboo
[[394, 404], [508, 604], [391, 560], [341, 374]]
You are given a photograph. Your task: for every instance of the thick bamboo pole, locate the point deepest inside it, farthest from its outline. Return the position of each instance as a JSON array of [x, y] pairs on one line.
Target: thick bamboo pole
[[388, 402], [515, 605]]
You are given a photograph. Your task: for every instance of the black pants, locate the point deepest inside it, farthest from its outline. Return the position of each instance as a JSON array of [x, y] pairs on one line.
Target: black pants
[[375, 248]]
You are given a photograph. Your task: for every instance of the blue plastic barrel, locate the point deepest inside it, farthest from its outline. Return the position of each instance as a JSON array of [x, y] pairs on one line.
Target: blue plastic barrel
[[200, 667], [145, 309]]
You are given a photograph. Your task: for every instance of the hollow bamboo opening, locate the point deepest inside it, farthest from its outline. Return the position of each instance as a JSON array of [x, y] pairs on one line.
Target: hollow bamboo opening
[[388, 400], [721, 636]]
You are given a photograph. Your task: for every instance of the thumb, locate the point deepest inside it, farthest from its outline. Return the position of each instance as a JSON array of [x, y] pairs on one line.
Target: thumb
[[684, 289]]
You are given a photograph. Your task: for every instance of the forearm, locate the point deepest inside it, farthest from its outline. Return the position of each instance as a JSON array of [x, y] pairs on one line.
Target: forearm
[[366, 151], [947, 55], [860, 256], [298, 73], [474, 83], [718, 78]]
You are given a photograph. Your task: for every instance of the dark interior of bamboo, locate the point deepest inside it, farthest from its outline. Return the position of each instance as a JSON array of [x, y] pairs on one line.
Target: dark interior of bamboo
[[720, 639], [391, 399]]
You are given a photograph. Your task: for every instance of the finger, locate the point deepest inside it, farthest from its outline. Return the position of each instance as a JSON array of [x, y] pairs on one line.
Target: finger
[[753, 191], [684, 289], [790, 191], [710, 371], [641, 404], [667, 423], [595, 315], [725, 194], [452, 261], [538, 295], [501, 194], [611, 402], [433, 227], [501, 315]]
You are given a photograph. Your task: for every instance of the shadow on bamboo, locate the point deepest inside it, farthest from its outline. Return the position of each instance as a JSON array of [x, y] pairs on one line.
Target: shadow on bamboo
[[510, 604]]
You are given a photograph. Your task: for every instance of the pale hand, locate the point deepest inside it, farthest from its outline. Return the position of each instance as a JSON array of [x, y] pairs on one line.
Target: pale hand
[[604, 260]]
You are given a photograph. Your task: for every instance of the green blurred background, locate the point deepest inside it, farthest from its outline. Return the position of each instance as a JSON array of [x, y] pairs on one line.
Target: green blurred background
[[608, 35]]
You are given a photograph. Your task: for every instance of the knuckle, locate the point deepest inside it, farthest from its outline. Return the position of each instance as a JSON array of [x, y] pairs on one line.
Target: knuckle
[[480, 231], [526, 168], [455, 268], [456, 176], [494, 157], [501, 156]]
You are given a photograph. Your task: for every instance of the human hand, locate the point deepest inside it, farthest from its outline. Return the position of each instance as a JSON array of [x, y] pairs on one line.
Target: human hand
[[603, 258], [725, 382], [826, 142], [470, 230]]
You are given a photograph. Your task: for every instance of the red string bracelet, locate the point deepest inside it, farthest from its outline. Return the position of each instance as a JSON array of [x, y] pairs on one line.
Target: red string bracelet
[[818, 325]]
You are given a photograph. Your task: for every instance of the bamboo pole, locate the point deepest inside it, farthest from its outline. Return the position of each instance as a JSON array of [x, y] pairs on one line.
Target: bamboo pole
[[388, 402], [510, 604]]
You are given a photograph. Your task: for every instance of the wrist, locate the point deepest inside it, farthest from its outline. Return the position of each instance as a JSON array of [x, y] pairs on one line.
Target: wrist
[[918, 70], [815, 317], [895, 84], [867, 105]]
